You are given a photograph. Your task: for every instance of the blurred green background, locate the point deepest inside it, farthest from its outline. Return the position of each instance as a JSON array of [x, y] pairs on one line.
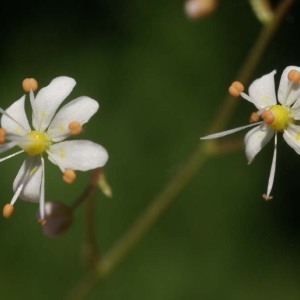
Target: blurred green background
[[159, 78]]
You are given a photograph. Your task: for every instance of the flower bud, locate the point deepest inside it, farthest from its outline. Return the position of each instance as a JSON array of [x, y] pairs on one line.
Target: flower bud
[[104, 186], [199, 9], [58, 218]]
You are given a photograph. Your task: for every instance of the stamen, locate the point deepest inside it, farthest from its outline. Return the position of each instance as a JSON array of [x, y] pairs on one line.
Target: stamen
[[294, 76], [75, 128], [69, 176], [29, 84], [266, 197], [42, 220], [227, 132], [268, 117], [2, 136], [236, 88], [254, 117], [11, 155], [8, 210]]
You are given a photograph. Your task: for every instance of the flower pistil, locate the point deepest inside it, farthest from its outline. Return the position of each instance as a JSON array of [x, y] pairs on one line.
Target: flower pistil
[[36, 143], [277, 117]]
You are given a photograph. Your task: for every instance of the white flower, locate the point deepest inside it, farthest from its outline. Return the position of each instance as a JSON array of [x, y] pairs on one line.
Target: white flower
[[276, 117], [50, 129]]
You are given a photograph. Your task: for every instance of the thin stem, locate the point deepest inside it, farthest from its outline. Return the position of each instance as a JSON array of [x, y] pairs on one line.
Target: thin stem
[[144, 222], [90, 245], [90, 189], [262, 9], [108, 262]]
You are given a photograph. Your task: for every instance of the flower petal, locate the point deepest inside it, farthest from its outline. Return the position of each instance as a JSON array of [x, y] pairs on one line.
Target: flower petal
[[77, 155], [49, 99], [30, 176], [292, 137], [295, 111], [256, 139], [262, 91], [80, 110], [288, 92], [7, 146], [14, 119]]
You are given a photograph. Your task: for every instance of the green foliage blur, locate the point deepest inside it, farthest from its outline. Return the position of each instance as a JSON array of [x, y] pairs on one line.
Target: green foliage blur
[[160, 79]]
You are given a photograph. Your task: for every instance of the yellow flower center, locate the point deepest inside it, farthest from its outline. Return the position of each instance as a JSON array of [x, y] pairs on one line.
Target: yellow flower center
[[277, 117], [36, 143]]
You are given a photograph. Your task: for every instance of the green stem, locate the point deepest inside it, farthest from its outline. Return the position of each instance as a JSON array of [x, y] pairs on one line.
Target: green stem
[[90, 244], [90, 188], [109, 261]]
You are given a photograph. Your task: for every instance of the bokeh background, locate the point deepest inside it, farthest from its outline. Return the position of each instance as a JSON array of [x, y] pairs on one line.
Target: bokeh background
[[159, 78]]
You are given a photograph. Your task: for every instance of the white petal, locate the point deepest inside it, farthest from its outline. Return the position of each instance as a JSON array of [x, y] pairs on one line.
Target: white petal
[[288, 92], [80, 110], [49, 99], [77, 155], [262, 91], [30, 176], [292, 137], [14, 119], [227, 132], [256, 139], [7, 146], [295, 112]]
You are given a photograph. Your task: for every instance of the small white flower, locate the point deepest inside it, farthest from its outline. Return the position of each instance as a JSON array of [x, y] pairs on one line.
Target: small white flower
[[276, 117], [50, 129]]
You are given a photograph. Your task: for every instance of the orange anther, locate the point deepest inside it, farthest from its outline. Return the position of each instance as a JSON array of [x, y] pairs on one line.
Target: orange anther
[[2, 131], [2, 136], [69, 176], [254, 117], [29, 84], [294, 76], [42, 222], [75, 128], [268, 117], [236, 88], [8, 210]]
